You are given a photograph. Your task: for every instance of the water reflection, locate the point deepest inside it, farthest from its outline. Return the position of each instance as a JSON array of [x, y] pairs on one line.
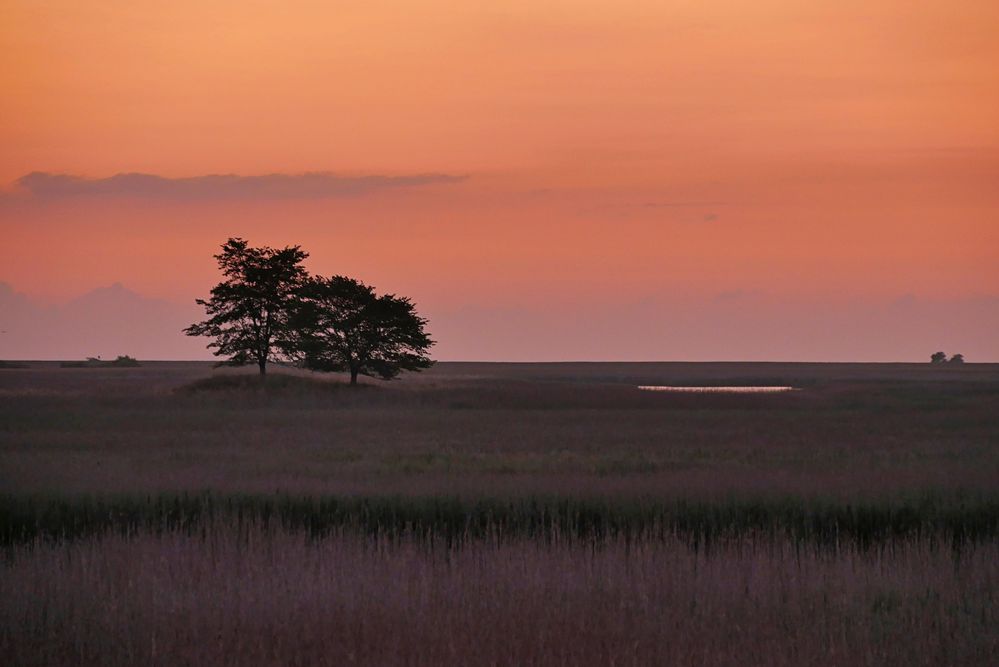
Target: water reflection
[[716, 390]]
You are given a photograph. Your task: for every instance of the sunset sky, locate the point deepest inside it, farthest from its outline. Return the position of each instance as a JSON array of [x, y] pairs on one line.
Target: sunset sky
[[691, 180]]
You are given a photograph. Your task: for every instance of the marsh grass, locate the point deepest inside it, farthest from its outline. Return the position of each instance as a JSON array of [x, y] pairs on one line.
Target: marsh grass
[[486, 514], [261, 595], [123, 437], [274, 384]]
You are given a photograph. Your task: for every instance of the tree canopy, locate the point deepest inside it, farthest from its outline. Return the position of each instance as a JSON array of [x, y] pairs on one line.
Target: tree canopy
[[268, 308], [249, 311], [343, 325]]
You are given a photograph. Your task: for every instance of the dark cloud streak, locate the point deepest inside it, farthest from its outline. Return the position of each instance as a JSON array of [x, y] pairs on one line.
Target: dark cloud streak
[[313, 185]]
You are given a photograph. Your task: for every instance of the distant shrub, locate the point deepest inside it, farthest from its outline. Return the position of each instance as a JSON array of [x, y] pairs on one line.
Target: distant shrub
[[10, 365], [941, 358], [122, 361]]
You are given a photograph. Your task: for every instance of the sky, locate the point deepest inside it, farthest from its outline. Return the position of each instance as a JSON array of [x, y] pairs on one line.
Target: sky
[[709, 180]]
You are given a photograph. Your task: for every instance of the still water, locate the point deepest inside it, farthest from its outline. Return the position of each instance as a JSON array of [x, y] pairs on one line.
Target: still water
[[717, 390]]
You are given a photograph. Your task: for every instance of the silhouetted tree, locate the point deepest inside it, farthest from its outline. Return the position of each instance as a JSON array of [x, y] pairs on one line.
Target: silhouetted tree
[[342, 325], [956, 359], [938, 357], [249, 311]]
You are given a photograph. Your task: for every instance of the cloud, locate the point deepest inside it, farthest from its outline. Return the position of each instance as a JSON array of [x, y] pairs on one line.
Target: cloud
[[312, 185]]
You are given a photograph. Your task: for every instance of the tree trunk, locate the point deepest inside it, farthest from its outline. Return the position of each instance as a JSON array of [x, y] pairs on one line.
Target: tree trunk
[[262, 365], [353, 376]]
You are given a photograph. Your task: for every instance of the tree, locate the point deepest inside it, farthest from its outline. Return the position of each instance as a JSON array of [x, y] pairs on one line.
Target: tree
[[938, 358], [342, 325], [249, 311], [956, 359]]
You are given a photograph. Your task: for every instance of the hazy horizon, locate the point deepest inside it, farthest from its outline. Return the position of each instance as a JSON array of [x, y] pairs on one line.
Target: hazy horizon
[[115, 320]]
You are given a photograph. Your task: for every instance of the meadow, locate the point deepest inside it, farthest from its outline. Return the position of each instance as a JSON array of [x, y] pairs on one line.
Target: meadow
[[500, 514]]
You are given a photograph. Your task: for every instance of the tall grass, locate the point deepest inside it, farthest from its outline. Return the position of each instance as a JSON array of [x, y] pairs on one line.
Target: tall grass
[[267, 596]]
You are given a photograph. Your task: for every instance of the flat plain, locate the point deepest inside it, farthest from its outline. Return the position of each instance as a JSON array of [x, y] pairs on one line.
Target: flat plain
[[500, 514]]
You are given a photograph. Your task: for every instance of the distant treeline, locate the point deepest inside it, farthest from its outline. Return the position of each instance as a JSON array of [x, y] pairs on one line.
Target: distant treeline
[[941, 358], [122, 361]]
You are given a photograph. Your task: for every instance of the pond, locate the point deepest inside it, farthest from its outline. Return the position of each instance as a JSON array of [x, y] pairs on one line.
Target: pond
[[717, 390]]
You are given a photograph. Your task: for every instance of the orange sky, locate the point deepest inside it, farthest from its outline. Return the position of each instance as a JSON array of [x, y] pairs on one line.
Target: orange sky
[[808, 154]]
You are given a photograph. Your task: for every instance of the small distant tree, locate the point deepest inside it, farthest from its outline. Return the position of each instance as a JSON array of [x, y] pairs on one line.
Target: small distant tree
[[938, 358], [249, 311], [342, 325], [956, 359]]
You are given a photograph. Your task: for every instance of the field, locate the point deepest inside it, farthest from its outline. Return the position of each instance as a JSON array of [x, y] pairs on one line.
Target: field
[[500, 514]]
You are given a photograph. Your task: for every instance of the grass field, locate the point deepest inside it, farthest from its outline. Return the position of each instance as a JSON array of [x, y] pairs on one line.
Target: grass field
[[500, 514]]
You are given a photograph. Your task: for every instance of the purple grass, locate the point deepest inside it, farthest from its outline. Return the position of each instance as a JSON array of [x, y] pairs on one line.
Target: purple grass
[[273, 597]]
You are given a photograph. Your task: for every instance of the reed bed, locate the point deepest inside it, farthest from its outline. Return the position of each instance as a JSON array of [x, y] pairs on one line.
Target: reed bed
[[264, 595]]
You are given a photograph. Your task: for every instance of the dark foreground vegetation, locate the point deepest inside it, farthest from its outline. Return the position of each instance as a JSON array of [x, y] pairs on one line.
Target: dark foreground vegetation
[[254, 596], [500, 514], [956, 521]]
